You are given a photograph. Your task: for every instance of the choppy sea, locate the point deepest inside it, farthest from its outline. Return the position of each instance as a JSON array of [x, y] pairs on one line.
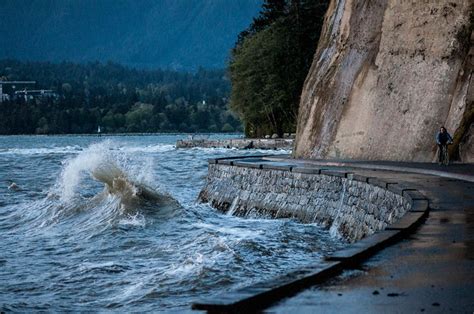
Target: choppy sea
[[112, 223]]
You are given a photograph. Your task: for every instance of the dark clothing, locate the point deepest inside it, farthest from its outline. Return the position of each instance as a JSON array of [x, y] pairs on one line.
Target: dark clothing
[[443, 138]]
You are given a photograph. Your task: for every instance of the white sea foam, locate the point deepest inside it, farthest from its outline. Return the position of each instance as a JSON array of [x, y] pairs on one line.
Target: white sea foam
[[42, 150], [92, 159], [334, 231], [76, 149], [238, 233], [233, 206], [159, 148], [192, 264], [128, 190], [101, 162], [137, 220]]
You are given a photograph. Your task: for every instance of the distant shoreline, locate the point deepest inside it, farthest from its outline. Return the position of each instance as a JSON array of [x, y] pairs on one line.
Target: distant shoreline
[[126, 134]]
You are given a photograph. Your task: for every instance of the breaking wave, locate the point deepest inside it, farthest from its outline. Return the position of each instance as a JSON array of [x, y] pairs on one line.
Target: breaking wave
[[96, 224], [101, 186]]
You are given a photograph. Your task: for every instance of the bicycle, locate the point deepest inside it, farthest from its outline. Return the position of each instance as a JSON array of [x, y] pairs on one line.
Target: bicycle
[[444, 154]]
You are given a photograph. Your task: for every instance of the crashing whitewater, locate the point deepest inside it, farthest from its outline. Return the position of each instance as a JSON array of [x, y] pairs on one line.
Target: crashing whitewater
[[104, 186]]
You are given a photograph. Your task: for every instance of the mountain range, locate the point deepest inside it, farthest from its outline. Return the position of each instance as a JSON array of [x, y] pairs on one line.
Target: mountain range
[[173, 34]]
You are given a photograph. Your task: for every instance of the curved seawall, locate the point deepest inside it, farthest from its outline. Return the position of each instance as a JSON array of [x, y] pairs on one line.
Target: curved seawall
[[353, 206], [374, 212]]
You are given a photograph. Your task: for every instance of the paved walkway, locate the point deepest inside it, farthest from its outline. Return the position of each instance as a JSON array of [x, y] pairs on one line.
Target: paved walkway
[[432, 271], [462, 172]]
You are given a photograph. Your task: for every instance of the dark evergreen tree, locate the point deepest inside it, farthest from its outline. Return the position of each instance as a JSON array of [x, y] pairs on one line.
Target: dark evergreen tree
[[117, 98], [270, 62]]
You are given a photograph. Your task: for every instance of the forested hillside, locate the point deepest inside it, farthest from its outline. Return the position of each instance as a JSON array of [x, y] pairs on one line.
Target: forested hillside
[[270, 62], [117, 98]]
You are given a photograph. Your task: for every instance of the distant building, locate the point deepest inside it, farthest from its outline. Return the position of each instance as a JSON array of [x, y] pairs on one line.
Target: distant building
[[23, 89], [8, 88], [3, 97], [29, 94]]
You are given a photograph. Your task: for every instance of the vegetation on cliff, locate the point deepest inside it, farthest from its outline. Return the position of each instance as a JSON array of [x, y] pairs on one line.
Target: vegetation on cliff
[[269, 64], [117, 98]]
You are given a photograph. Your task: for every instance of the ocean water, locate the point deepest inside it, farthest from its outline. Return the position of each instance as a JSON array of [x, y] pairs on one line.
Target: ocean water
[[112, 223]]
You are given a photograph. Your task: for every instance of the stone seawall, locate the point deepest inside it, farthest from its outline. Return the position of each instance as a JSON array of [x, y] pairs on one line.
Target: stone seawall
[[348, 205], [239, 143]]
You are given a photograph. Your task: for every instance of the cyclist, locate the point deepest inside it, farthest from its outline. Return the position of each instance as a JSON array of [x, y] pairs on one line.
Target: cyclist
[[443, 139]]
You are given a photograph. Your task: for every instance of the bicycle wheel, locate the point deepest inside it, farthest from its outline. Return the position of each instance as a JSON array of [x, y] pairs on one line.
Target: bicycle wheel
[[445, 156]]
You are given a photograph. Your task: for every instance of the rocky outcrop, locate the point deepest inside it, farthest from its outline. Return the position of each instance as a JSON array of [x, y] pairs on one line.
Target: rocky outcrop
[[239, 143], [386, 75], [466, 147]]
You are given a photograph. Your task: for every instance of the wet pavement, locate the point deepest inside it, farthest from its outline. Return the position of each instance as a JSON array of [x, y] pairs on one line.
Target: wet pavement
[[432, 271]]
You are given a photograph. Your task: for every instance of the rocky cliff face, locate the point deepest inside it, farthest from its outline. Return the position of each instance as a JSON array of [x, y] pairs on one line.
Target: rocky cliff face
[[386, 75]]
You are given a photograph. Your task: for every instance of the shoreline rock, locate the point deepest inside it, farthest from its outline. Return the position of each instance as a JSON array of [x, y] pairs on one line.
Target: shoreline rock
[[239, 143]]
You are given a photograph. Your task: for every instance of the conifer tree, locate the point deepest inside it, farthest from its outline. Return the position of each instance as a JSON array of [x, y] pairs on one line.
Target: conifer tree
[[269, 64]]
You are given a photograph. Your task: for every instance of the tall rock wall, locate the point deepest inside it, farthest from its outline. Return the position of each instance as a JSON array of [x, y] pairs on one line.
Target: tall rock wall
[[386, 75]]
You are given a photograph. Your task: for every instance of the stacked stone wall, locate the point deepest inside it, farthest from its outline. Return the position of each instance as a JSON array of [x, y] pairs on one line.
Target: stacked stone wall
[[350, 208]]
